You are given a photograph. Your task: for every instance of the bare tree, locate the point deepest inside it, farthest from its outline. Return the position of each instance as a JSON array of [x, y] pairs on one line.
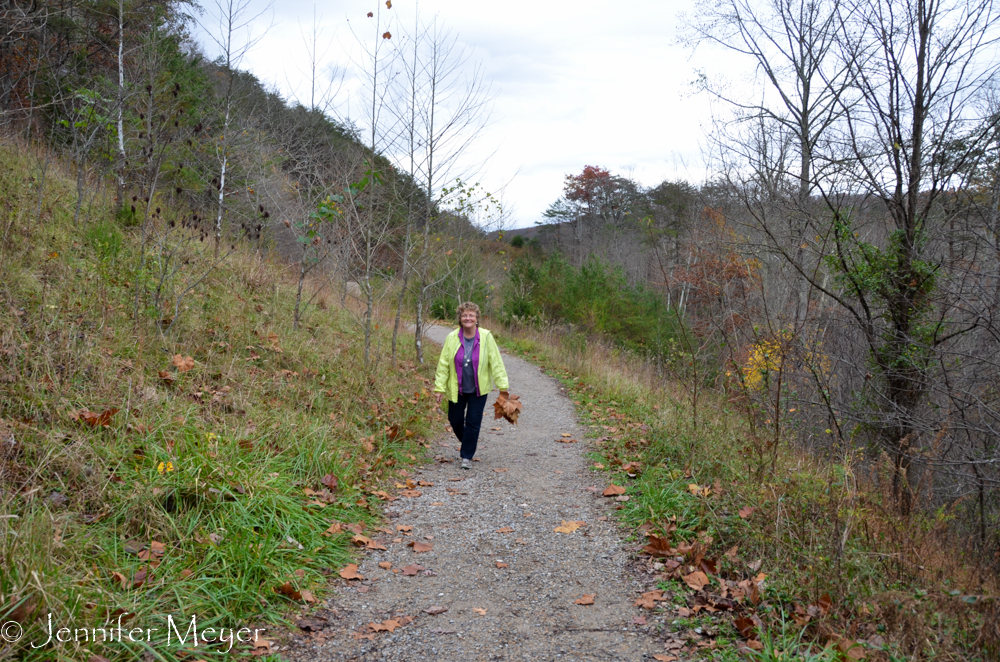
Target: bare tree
[[232, 33], [454, 104]]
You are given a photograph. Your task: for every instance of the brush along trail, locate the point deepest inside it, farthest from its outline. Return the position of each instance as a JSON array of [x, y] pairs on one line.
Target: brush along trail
[[498, 582]]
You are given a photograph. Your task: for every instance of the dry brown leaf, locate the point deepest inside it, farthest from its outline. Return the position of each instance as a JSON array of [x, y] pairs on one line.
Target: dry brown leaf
[[389, 625], [614, 490], [500, 471], [746, 512], [479, 610], [658, 546], [351, 572], [334, 529], [585, 599], [411, 494], [435, 610], [501, 564], [507, 407], [505, 529], [288, 590], [412, 570], [183, 363], [570, 526], [420, 547], [649, 599], [696, 580]]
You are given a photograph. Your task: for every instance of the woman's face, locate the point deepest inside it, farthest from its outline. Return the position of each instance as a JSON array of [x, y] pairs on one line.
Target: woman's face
[[469, 319]]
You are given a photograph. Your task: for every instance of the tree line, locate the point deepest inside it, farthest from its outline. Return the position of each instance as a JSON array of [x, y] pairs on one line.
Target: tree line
[[839, 273]]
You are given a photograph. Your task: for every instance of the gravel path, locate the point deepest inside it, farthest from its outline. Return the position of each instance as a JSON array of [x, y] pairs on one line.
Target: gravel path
[[507, 579]]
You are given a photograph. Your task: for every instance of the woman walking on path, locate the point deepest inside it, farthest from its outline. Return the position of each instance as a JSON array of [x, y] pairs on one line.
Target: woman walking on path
[[469, 366]]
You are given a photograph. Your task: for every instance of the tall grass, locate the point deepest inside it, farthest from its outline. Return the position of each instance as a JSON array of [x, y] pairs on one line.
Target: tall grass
[[199, 479]]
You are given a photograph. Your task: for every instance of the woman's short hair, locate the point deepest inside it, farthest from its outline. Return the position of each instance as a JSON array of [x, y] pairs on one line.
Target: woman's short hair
[[466, 307]]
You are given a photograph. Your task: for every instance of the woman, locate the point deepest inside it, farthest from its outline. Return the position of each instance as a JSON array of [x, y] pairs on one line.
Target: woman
[[469, 366]]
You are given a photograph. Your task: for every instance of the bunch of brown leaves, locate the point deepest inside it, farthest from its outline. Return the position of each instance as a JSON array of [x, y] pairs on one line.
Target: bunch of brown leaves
[[508, 407]]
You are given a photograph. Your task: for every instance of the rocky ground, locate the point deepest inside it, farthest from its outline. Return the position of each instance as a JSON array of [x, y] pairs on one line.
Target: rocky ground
[[498, 582]]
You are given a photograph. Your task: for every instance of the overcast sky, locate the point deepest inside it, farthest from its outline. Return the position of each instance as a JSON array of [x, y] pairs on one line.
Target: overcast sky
[[582, 83]]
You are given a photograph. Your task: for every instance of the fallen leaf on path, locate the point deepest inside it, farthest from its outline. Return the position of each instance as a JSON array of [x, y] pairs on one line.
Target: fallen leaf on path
[[351, 572], [425, 483], [614, 490], [389, 625], [639, 620], [569, 526], [598, 466], [747, 512], [479, 610], [649, 599], [307, 596], [412, 570], [567, 441], [261, 646], [500, 471], [311, 624], [420, 547], [370, 636], [505, 529], [566, 434], [360, 540], [385, 565], [411, 494], [435, 610], [585, 599], [501, 564], [665, 658]]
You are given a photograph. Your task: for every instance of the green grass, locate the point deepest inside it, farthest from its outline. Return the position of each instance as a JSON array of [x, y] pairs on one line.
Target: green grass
[[212, 464]]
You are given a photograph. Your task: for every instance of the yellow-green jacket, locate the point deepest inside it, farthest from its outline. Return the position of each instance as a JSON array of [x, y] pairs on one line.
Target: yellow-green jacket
[[490, 369]]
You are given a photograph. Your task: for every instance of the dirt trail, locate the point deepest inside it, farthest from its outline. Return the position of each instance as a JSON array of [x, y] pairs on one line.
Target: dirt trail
[[522, 481]]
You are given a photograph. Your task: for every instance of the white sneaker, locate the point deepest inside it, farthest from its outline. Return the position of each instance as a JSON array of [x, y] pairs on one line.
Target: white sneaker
[[466, 464]]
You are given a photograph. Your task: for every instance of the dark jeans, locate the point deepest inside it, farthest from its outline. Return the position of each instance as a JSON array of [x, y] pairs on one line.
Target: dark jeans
[[466, 417]]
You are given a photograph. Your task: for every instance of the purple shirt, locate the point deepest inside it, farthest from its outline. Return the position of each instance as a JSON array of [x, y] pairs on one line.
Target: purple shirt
[[460, 359]]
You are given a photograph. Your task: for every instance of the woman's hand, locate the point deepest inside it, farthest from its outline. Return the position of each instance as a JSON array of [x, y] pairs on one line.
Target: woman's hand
[[437, 396]]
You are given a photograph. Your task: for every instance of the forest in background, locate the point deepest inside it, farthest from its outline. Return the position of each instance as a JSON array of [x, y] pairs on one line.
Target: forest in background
[[839, 277]]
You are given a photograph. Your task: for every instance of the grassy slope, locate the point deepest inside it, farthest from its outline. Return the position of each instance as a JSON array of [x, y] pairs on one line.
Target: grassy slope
[[213, 466], [816, 529]]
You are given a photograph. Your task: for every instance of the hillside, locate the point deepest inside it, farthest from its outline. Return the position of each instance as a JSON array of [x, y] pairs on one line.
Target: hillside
[[195, 470]]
